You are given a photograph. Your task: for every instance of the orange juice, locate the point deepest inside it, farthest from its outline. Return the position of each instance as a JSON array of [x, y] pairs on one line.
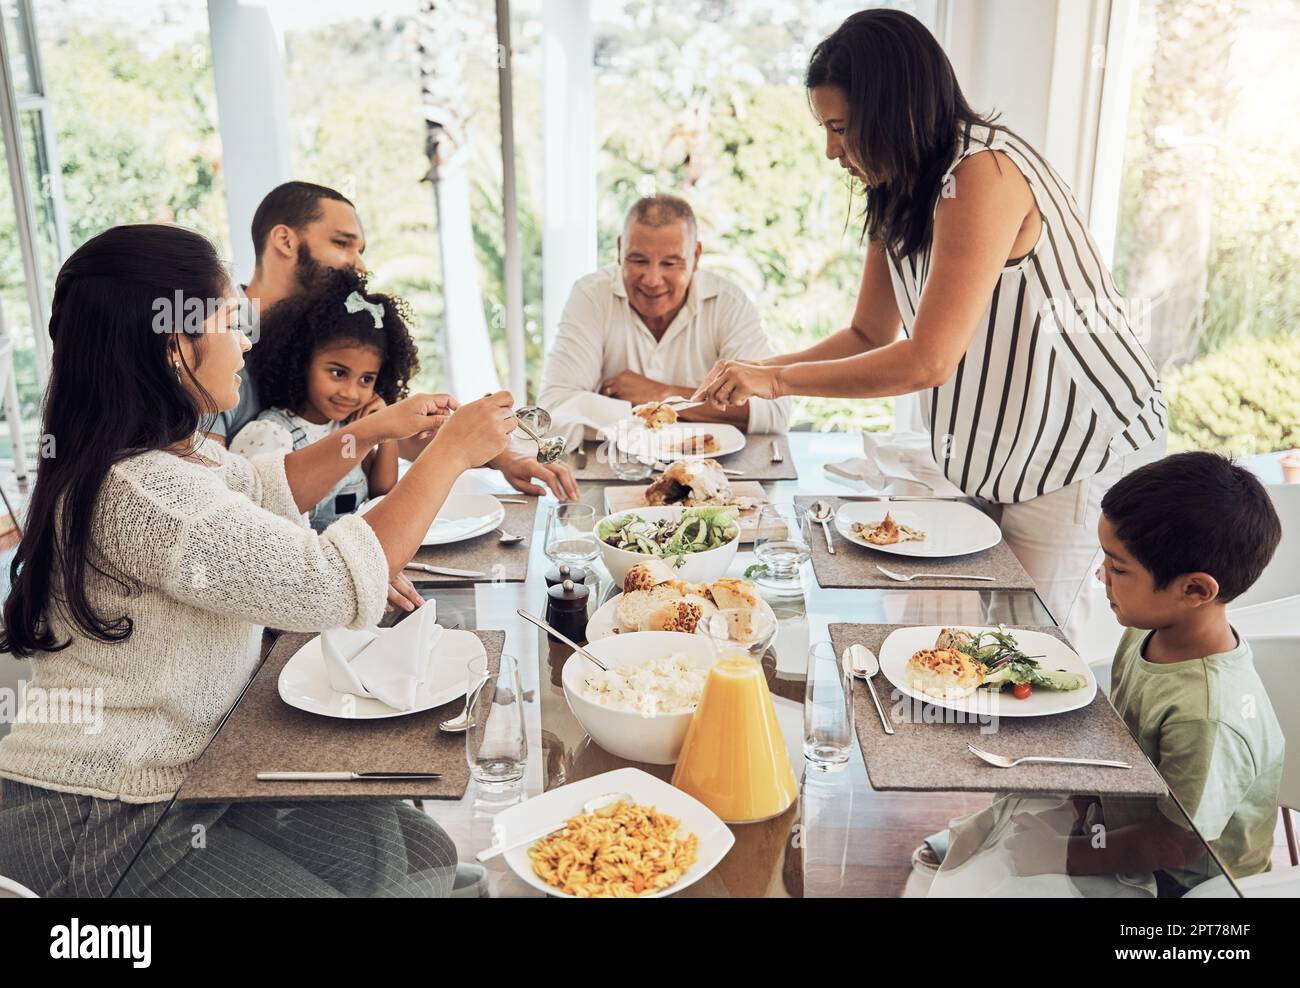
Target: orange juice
[[733, 759]]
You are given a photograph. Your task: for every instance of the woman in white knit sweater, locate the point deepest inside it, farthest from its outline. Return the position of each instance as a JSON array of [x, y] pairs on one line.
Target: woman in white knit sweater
[[152, 558]]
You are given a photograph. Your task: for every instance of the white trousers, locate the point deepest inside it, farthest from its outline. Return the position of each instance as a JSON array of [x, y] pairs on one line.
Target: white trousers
[[1055, 539]]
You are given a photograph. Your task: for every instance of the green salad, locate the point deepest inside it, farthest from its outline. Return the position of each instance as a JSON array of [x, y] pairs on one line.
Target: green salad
[[697, 530], [1007, 667]]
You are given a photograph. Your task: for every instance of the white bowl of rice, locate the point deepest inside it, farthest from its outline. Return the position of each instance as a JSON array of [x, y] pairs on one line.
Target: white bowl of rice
[[641, 708]]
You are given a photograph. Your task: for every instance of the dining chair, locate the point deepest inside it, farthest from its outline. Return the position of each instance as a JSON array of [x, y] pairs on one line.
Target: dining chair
[[1277, 660], [1278, 587]]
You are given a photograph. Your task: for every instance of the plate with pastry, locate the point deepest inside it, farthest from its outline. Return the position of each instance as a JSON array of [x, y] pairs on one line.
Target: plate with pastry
[[681, 440], [654, 599], [931, 529], [694, 483], [988, 671]]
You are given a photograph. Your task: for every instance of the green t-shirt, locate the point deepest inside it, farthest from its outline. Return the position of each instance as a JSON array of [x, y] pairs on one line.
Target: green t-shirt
[[1209, 728]]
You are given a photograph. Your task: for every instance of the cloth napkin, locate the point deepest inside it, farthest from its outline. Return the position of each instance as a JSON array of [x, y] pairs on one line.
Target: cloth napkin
[[893, 457], [586, 415], [386, 664]]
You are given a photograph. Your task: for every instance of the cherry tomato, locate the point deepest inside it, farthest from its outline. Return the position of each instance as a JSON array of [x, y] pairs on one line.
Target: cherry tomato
[[1021, 691]]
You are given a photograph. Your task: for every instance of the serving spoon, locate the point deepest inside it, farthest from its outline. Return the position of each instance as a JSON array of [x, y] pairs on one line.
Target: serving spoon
[[589, 807]]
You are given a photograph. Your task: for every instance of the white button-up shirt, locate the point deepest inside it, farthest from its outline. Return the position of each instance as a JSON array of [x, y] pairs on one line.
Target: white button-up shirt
[[600, 335]]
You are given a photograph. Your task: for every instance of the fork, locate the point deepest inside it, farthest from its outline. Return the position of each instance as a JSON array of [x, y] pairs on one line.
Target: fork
[[1002, 761], [904, 578], [776, 452]]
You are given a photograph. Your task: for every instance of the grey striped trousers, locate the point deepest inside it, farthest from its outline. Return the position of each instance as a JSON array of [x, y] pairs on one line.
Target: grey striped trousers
[[58, 844]]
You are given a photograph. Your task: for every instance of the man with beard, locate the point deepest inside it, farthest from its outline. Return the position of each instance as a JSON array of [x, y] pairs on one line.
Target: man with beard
[[299, 230]]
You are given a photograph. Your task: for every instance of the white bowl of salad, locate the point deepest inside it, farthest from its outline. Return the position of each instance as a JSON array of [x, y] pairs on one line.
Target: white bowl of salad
[[700, 543]]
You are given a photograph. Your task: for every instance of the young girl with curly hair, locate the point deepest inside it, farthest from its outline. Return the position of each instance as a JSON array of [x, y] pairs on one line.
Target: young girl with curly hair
[[327, 357]]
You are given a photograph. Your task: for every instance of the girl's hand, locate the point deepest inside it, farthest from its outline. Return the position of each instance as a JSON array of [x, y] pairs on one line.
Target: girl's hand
[[477, 431], [417, 415], [733, 383], [375, 404]]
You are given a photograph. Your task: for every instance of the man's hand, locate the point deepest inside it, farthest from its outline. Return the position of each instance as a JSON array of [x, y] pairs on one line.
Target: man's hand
[[639, 390], [520, 470]]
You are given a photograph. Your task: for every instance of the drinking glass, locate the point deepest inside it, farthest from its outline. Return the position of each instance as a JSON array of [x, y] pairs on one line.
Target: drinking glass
[[783, 543], [496, 746], [827, 709], [571, 534]]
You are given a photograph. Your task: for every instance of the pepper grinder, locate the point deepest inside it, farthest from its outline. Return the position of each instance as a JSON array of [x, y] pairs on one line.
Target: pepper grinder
[[566, 609], [557, 575]]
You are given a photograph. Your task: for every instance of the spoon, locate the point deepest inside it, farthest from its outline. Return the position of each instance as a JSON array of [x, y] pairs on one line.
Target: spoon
[[534, 619], [461, 722], [590, 806], [537, 419], [507, 538], [549, 449], [823, 512], [864, 664]]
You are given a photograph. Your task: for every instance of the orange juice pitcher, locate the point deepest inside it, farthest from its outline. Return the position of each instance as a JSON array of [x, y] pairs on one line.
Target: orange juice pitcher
[[734, 758]]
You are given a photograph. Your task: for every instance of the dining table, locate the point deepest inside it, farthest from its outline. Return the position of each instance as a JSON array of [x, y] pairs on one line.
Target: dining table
[[842, 836]]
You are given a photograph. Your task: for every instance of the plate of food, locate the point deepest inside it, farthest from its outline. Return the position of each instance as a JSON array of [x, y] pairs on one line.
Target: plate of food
[[654, 598], [931, 529], [655, 842], [681, 441], [988, 671], [694, 484]]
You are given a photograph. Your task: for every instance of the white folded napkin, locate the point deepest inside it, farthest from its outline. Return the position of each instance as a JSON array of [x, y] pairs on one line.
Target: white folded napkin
[[387, 664], [585, 415], [895, 456]]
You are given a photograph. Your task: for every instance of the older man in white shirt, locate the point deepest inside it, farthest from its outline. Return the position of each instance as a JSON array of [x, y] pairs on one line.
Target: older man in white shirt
[[651, 327]]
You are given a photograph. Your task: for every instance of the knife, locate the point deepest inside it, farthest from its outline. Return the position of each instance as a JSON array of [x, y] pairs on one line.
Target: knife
[[469, 574], [344, 776]]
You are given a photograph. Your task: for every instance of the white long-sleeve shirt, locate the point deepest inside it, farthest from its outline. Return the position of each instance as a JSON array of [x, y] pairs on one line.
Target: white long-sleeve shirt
[[600, 335]]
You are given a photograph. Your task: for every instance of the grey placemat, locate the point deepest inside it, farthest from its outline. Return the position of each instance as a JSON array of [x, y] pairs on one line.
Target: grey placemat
[[928, 753], [265, 734], [754, 461], [853, 566], [500, 563]]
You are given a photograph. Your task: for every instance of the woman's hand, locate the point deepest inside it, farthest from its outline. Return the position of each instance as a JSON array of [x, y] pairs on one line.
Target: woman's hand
[[477, 431], [733, 383], [402, 593], [421, 414], [520, 470]]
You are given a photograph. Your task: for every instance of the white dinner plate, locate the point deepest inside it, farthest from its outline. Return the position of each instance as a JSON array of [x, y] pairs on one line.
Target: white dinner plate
[[605, 621], [952, 528], [903, 642], [305, 684], [662, 444], [462, 516], [558, 805]]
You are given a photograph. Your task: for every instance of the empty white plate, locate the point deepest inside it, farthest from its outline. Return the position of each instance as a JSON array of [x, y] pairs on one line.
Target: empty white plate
[[462, 516], [558, 805], [902, 643], [305, 684], [952, 528], [665, 444]]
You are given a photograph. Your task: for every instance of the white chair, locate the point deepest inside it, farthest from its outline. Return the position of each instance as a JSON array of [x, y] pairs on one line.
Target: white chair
[[1277, 660], [1276, 593], [12, 890]]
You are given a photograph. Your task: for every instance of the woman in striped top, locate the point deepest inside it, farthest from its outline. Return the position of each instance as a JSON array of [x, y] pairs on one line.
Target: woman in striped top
[[1035, 387]]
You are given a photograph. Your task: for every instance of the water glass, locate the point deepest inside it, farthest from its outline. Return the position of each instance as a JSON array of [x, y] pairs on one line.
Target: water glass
[[496, 745], [827, 709], [783, 543], [571, 534], [625, 466]]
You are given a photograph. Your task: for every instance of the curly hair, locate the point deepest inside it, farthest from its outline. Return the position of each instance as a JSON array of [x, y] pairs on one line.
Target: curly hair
[[296, 329]]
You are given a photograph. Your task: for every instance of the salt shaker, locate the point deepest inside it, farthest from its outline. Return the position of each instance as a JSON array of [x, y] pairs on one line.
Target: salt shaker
[[566, 609]]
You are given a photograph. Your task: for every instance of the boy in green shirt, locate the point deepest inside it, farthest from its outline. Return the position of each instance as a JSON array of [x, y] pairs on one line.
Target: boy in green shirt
[[1182, 538]]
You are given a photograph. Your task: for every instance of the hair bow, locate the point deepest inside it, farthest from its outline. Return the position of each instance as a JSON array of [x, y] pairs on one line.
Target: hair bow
[[355, 303]]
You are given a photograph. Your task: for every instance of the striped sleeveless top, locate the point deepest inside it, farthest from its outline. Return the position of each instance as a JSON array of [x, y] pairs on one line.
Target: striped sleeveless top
[[1055, 381]]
